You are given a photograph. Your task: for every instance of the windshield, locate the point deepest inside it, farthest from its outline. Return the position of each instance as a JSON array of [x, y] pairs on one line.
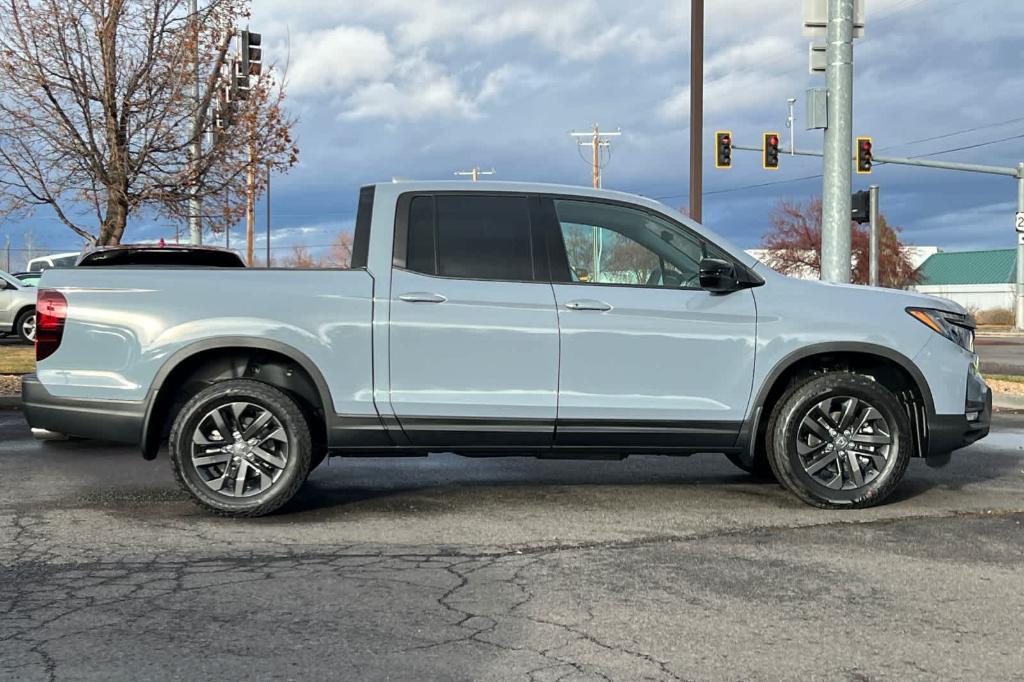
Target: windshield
[[10, 279]]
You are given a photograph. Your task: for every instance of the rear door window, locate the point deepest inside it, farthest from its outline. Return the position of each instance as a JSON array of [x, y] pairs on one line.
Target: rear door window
[[471, 237]]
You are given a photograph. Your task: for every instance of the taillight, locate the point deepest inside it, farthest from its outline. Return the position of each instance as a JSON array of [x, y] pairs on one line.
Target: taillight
[[51, 311]]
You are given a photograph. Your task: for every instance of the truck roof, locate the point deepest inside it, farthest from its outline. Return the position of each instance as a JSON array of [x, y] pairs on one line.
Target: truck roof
[[503, 186], [401, 186]]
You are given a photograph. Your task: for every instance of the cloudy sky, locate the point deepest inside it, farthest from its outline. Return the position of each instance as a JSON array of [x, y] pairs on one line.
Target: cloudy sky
[[422, 88]]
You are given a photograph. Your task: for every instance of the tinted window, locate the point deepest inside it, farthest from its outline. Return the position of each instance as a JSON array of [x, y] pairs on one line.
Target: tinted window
[[608, 244], [361, 240], [422, 256], [473, 237]]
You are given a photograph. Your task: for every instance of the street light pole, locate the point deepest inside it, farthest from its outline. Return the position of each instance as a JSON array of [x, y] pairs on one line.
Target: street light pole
[[696, 108], [836, 202]]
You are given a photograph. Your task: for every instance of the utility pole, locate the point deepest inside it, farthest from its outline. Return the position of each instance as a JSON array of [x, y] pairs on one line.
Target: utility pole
[[696, 109], [836, 207], [597, 142], [475, 173], [873, 244], [195, 227], [250, 205]]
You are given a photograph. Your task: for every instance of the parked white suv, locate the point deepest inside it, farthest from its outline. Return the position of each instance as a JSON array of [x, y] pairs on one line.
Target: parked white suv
[[17, 308]]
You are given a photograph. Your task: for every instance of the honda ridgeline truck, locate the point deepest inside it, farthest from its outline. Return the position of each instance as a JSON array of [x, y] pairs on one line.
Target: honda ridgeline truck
[[514, 319]]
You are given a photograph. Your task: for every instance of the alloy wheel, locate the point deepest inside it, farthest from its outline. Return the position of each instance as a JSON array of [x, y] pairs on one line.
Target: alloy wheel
[[239, 449], [28, 328], [843, 443]]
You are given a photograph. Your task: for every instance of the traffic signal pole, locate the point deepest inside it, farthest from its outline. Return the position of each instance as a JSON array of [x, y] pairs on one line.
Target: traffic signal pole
[[873, 244], [836, 204], [877, 159]]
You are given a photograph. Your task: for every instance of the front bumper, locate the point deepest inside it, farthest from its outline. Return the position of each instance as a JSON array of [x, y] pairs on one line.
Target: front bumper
[[118, 421], [949, 432]]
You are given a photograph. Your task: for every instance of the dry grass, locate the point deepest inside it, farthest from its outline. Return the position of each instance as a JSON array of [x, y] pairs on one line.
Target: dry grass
[[10, 384], [1001, 383], [17, 359]]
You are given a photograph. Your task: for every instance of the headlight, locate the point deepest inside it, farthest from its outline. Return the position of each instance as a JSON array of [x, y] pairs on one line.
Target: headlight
[[956, 327]]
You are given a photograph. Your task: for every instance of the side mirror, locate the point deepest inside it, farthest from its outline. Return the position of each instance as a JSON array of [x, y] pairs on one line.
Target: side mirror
[[718, 276]]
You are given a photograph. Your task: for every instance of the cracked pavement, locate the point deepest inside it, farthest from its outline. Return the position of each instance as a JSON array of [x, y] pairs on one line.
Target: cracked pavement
[[507, 569]]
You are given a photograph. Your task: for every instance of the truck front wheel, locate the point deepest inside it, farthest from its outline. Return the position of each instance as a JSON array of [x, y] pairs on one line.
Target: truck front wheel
[[839, 440], [240, 448]]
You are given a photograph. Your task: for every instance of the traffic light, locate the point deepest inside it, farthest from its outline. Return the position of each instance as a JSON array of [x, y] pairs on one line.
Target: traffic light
[[723, 149], [860, 203], [863, 155], [252, 55], [771, 151], [239, 81]]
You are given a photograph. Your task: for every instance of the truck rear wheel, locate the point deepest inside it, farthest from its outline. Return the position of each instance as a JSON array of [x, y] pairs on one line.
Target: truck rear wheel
[[240, 448], [839, 440]]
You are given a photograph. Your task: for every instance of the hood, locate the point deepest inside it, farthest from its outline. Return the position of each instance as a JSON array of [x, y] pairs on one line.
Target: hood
[[884, 296]]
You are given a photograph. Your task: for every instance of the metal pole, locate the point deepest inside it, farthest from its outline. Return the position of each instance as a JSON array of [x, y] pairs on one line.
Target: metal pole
[[195, 209], [250, 206], [873, 273], [696, 108], [268, 215], [791, 124], [836, 209], [1019, 308]]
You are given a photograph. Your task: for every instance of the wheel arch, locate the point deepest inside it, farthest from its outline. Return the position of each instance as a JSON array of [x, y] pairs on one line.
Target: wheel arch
[[275, 363], [891, 368]]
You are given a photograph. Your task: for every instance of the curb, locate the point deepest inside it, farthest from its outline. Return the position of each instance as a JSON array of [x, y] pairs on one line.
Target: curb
[[999, 335], [10, 402], [1007, 401]]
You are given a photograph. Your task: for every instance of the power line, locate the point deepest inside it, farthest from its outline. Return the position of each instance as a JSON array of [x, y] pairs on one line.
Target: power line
[[970, 146], [953, 134]]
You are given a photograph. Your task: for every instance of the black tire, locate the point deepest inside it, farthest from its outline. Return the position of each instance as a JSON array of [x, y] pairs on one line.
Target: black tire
[[20, 326], [296, 453], [880, 467]]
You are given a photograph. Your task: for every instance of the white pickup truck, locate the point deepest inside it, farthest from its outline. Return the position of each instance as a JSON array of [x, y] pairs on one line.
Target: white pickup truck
[[499, 318]]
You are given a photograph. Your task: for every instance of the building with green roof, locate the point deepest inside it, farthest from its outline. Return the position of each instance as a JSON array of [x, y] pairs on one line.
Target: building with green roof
[[978, 280]]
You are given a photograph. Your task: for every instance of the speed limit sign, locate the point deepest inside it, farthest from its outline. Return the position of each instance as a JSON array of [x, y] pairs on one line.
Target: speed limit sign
[[1019, 222]]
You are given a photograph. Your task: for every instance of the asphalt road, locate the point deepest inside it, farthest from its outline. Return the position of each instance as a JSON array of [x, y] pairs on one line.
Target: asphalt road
[[1001, 355], [505, 569]]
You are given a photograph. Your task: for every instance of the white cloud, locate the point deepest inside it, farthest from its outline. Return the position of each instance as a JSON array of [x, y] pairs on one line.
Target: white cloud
[[417, 89], [336, 58]]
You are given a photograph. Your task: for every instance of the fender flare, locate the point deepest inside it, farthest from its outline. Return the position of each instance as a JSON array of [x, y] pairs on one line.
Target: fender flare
[[754, 413], [224, 342]]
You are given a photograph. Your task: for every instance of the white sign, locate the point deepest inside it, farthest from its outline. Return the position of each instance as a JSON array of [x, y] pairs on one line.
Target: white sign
[[1019, 222], [816, 19]]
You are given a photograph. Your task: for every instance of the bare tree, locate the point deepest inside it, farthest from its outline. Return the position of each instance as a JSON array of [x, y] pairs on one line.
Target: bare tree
[[340, 253], [301, 258], [95, 117]]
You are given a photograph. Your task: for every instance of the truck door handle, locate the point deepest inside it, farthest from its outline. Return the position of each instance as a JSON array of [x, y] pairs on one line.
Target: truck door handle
[[588, 304], [422, 297]]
